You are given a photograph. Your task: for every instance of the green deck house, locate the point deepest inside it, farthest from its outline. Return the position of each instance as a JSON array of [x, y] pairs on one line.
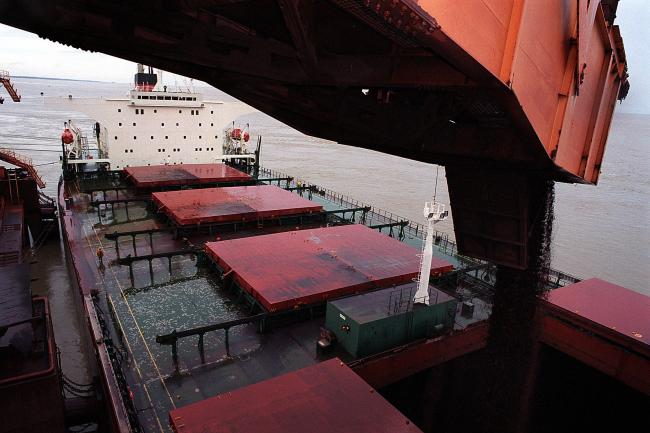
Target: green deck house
[[373, 322]]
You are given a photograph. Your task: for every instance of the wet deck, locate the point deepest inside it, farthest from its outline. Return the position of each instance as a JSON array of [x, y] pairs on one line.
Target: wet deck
[[161, 295], [159, 299]]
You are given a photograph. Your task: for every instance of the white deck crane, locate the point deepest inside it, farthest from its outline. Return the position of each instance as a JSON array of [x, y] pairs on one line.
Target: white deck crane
[[434, 212]]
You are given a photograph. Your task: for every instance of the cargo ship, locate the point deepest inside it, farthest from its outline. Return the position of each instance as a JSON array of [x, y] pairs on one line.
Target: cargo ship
[[220, 295]]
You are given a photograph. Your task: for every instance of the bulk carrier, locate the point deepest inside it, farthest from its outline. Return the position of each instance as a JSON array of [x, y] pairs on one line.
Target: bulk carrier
[[219, 295]]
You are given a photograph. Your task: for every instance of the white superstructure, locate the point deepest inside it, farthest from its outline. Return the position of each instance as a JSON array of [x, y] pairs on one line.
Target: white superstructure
[[153, 127]]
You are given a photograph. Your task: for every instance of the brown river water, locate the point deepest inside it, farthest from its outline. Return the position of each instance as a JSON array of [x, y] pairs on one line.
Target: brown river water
[[599, 231]]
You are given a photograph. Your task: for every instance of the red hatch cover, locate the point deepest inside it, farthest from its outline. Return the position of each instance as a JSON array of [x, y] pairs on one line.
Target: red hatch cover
[[284, 270], [236, 203], [185, 174], [322, 398], [614, 307]]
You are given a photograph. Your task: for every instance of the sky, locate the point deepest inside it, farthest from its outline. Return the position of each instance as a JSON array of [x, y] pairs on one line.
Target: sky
[[24, 53]]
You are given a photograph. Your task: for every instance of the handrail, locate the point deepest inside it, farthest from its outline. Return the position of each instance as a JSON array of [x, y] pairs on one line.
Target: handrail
[[22, 161], [172, 337]]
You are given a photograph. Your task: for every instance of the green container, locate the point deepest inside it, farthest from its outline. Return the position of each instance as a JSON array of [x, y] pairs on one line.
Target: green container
[[373, 322]]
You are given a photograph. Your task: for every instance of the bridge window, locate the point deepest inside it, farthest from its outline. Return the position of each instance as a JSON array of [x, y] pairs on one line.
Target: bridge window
[[116, 137], [212, 124], [199, 124], [166, 137], [119, 110], [135, 138], [174, 98], [180, 111], [137, 111], [131, 150], [126, 150], [199, 137], [155, 111], [119, 124], [162, 125], [184, 137], [152, 137], [133, 123], [211, 112]]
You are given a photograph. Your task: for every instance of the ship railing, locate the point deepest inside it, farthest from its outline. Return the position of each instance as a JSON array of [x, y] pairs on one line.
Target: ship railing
[[261, 319], [22, 161]]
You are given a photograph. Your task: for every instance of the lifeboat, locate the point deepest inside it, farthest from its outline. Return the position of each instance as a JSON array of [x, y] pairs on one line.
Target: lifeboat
[[66, 136]]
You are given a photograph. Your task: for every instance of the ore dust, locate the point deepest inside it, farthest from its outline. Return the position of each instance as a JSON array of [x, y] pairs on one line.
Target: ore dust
[[510, 352]]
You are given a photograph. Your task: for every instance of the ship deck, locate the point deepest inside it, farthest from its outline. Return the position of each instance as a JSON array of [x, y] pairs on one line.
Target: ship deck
[[151, 283]]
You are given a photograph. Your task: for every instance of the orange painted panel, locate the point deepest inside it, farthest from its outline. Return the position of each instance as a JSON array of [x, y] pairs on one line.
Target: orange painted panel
[[540, 61], [578, 129], [480, 27], [556, 56]]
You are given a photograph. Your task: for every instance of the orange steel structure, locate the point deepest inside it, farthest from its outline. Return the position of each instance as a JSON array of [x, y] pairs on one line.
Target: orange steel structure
[[563, 60], [504, 90]]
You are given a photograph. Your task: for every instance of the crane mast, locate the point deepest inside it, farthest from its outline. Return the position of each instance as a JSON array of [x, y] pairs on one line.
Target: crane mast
[[433, 212]]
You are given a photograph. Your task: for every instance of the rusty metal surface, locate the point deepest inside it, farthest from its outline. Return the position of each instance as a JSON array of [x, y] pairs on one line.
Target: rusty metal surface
[[326, 397], [236, 203], [603, 325], [175, 175], [284, 270], [613, 307]]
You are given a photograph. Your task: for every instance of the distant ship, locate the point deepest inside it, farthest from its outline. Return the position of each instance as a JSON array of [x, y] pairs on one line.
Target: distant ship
[[217, 292]]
